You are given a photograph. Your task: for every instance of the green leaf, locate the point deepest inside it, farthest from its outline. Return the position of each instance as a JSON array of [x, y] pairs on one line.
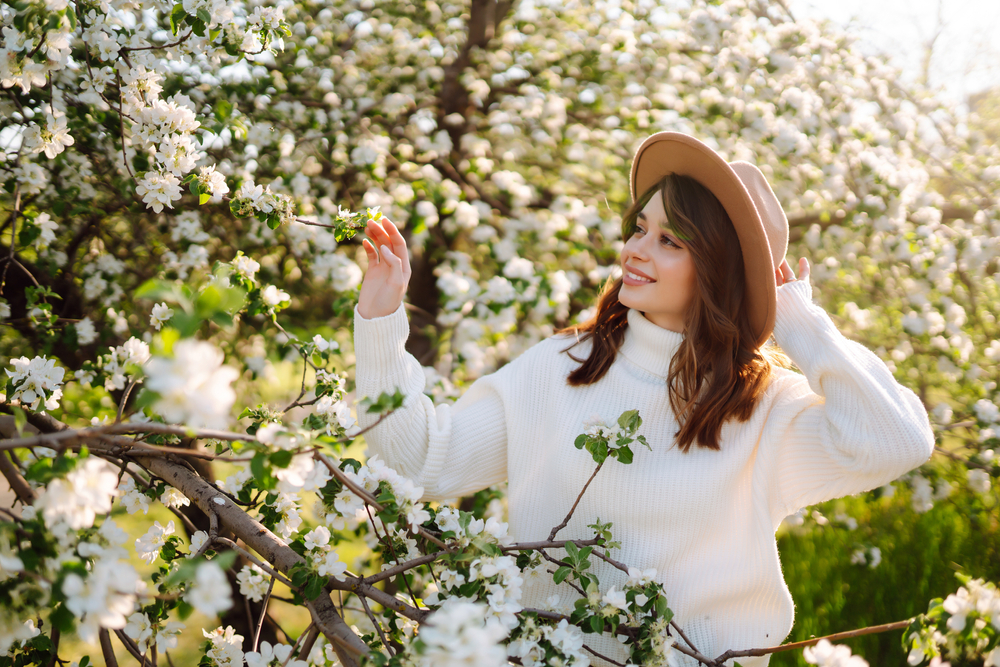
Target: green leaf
[[281, 459], [204, 16], [572, 551], [20, 420], [62, 619], [629, 420], [580, 441], [596, 624], [625, 455], [203, 199], [560, 574], [314, 588], [176, 16]]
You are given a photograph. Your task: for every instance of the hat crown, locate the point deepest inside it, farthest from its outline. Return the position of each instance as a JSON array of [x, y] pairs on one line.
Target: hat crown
[[772, 216]]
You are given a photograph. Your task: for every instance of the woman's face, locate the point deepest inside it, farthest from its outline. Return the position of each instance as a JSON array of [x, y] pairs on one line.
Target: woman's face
[[658, 270]]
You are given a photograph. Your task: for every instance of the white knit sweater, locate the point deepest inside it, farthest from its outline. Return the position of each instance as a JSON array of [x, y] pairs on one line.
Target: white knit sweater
[[706, 519]]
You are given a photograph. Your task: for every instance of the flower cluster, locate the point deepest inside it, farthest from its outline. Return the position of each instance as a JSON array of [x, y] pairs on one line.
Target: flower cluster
[[35, 381], [192, 387], [966, 624], [321, 553], [457, 634], [825, 654], [537, 644]]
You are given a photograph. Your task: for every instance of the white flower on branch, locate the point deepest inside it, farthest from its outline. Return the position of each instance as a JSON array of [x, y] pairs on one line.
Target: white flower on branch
[[51, 139], [273, 296], [193, 387], [131, 497], [161, 313], [226, 648], [139, 628], [616, 599], [979, 480], [210, 593], [77, 500], [198, 540], [15, 632], [104, 598], [48, 229], [148, 546], [36, 380], [826, 654], [268, 655], [211, 181], [173, 498], [246, 266], [253, 582], [158, 190], [86, 333], [458, 635]]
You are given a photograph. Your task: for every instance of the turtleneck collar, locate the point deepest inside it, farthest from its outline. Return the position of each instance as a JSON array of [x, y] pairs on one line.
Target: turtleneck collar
[[648, 345]]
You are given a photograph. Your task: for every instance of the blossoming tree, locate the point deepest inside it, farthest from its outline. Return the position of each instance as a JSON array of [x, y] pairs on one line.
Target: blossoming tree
[[182, 187]]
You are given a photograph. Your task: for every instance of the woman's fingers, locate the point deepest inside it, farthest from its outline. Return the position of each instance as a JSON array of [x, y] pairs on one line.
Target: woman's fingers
[[397, 242], [803, 268], [376, 234], [370, 251]]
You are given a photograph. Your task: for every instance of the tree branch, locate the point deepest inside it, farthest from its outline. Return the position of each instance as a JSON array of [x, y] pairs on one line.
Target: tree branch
[[552, 535]]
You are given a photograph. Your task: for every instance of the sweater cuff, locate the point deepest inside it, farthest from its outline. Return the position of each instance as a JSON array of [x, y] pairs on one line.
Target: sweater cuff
[[799, 324], [381, 341]]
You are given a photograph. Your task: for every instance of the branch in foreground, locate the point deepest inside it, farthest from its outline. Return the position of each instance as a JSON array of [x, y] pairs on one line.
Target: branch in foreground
[[860, 632]]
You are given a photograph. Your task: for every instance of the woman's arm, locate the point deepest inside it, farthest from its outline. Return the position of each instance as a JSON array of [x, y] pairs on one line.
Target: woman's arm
[[849, 427], [449, 450]]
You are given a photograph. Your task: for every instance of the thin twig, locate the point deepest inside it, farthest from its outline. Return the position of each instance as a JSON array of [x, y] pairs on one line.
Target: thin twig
[[371, 616], [602, 657], [256, 561], [311, 627], [403, 567], [572, 509], [263, 613], [860, 632], [121, 404]]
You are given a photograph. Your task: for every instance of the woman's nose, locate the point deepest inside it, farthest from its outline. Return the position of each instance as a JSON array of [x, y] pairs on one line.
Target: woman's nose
[[637, 248]]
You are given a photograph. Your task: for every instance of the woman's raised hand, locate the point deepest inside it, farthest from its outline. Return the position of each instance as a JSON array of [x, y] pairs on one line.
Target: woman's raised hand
[[388, 272], [783, 274]]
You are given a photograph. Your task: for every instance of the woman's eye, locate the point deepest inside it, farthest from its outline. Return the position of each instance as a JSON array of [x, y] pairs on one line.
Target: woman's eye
[[666, 240]]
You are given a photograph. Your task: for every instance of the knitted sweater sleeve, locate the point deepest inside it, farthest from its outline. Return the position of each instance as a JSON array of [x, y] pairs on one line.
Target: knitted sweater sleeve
[[448, 450], [847, 426]]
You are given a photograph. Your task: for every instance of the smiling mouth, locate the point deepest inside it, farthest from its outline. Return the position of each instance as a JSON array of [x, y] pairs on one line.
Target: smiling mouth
[[638, 278]]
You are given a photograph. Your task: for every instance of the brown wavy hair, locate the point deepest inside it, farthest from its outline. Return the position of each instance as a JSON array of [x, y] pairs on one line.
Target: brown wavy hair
[[718, 372]]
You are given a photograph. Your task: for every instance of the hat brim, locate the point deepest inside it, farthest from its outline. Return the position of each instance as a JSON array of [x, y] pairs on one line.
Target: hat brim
[[675, 153]]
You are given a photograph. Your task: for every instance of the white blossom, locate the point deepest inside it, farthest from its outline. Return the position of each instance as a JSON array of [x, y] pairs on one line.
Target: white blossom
[[35, 381], [209, 593], [826, 654], [193, 387], [148, 546], [161, 313], [158, 190], [457, 635], [84, 493]]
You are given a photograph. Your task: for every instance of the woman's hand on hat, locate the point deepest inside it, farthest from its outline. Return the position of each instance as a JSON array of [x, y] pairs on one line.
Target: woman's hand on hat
[[783, 274], [388, 274]]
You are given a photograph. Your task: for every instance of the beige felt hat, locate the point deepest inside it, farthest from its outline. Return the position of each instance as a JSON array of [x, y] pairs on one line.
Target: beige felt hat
[[748, 199]]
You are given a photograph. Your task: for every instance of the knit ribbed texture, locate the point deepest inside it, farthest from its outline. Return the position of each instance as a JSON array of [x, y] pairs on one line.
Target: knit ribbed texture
[[705, 520]]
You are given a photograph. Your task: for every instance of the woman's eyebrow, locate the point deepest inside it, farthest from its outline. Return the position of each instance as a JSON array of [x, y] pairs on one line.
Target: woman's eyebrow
[[642, 215]]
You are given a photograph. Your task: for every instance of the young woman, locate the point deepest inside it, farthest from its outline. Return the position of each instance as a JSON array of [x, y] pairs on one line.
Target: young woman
[[738, 442]]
